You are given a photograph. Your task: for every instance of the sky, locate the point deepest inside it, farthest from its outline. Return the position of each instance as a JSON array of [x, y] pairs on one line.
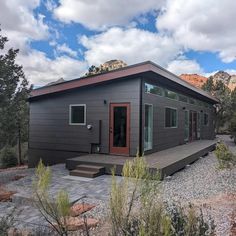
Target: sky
[[62, 38]]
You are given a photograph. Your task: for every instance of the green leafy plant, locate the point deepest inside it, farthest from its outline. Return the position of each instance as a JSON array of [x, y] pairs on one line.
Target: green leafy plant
[[225, 157]]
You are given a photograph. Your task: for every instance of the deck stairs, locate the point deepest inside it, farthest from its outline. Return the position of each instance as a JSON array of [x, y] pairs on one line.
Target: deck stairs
[[88, 171]]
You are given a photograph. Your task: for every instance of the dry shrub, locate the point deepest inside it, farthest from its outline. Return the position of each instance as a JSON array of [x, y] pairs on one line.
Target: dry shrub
[[136, 207]]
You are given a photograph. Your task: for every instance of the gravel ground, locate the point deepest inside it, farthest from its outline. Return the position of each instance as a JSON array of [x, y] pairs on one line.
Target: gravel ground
[[201, 183]]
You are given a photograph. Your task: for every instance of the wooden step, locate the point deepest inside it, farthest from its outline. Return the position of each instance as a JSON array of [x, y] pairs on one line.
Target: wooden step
[[92, 168], [84, 173]]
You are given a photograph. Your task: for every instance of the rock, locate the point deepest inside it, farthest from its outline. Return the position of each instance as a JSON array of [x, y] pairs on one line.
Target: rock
[[76, 223], [5, 195], [80, 208], [19, 232], [194, 79]]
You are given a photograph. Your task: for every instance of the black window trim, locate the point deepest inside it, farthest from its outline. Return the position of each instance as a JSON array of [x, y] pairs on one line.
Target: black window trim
[[205, 113], [172, 127]]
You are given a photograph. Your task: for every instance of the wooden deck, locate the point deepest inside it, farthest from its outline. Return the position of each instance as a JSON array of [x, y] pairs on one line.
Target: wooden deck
[[167, 161]]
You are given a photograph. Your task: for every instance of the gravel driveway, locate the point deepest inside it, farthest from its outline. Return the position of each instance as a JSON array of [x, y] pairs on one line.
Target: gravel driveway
[[201, 183]]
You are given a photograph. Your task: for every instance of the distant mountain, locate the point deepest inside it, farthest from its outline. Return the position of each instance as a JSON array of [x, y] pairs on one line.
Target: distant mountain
[[107, 66], [199, 80], [194, 79], [56, 82]]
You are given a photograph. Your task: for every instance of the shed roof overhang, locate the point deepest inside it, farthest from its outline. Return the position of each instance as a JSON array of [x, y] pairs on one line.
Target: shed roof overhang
[[132, 70]]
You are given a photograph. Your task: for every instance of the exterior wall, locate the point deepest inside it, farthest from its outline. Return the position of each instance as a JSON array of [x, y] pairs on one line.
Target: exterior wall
[[52, 138], [163, 137]]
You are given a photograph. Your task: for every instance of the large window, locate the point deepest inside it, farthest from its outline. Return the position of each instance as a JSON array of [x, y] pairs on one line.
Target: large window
[[153, 89], [161, 91], [77, 114], [206, 119], [183, 98], [170, 94], [186, 125], [170, 117], [148, 127]]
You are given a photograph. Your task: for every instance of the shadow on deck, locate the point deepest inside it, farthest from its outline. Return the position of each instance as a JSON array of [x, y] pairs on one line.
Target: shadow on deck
[[167, 161]]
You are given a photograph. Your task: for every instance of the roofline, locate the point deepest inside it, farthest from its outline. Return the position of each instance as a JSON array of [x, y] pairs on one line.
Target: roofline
[[115, 74]]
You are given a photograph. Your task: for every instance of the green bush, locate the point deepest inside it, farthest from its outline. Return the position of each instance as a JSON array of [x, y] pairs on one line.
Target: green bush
[[232, 127], [224, 156], [7, 157]]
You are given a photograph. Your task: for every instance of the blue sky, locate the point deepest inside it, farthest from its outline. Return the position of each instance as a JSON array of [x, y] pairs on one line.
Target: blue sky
[[62, 38]]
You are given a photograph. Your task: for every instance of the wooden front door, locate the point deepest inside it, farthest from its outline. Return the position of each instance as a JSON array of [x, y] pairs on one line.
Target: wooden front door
[[119, 130]]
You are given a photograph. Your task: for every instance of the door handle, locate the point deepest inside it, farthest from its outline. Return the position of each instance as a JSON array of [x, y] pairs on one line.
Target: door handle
[[110, 130]]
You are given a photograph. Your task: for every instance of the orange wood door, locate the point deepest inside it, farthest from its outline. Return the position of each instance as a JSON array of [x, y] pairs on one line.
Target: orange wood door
[[119, 130]]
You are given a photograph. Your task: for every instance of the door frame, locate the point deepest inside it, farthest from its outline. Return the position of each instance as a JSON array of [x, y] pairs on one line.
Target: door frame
[[119, 150]]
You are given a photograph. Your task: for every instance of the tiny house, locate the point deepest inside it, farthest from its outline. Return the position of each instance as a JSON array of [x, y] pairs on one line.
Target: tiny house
[[141, 107]]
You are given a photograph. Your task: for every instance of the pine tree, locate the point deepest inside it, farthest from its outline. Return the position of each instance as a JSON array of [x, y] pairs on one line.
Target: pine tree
[[223, 109], [14, 91], [208, 85]]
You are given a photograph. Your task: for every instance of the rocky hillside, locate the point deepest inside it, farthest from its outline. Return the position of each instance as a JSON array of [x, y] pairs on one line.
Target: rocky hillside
[[199, 80], [194, 79], [107, 66]]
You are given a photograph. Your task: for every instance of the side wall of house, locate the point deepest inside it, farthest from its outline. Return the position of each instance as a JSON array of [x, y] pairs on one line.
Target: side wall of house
[[53, 139], [163, 137]]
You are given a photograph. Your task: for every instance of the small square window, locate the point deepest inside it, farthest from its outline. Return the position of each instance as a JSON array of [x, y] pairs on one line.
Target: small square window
[[170, 118], [77, 114], [206, 119]]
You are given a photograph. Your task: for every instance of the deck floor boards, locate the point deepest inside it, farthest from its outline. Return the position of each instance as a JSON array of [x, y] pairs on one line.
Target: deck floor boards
[[168, 161]]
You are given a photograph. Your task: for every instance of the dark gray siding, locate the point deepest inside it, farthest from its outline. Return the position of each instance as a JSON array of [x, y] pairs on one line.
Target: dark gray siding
[[49, 120], [164, 138]]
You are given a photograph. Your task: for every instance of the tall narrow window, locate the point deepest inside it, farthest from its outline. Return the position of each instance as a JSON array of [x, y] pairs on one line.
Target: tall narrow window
[[170, 118], [186, 126], [198, 126], [148, 127], [206, 119], [77, 114]]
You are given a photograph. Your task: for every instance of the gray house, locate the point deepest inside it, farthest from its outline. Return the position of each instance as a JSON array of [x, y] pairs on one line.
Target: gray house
[[141, 107]]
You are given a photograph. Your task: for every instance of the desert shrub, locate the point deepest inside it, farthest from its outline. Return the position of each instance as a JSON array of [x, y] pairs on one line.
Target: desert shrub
[[8, 157], [54, 211], [136, 207], [189, 221], [225, 157], [7, 222]]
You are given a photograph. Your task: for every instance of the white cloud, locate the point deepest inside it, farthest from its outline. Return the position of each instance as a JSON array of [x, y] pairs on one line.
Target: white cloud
[[40, 69], [66, 49], [50, 5], [100, 14], [19, 23], [184, 66], [202, 25], [131, 45]]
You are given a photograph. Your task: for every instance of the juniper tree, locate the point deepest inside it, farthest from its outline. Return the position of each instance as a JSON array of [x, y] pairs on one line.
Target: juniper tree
[[14, 91]]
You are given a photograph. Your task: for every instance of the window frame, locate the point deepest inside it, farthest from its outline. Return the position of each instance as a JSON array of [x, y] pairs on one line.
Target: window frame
[[172, 127], [70, 115], [151, 105], [155, 94], [166, 91], [205, 113]]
